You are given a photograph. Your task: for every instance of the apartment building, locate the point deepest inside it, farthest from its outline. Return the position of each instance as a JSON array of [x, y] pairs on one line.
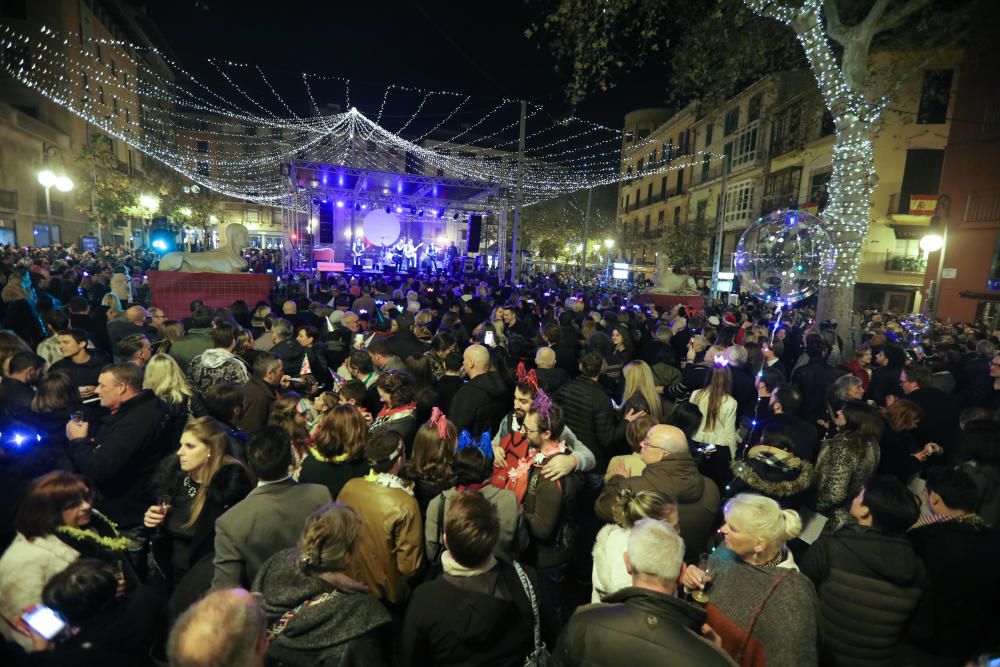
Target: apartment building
[[777, 141], [37, 134], [656, 176]]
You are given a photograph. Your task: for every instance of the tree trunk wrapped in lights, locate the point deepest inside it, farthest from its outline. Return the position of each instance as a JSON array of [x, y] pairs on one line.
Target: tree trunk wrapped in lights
[[843, 87]]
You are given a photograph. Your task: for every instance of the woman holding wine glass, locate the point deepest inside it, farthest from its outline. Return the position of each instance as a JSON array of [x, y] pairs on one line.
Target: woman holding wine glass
[[764, 610], [193, 488]]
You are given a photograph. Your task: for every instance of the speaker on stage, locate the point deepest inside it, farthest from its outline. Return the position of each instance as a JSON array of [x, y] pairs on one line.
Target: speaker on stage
[[475, 232], [326, 222]]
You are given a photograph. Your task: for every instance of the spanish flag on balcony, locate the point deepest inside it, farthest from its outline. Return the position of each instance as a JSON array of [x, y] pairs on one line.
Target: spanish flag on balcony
[[923, 204]]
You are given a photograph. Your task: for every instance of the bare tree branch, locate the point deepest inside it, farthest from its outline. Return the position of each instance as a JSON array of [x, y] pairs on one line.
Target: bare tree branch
[[870, 24], [834, 27], [897, 16]]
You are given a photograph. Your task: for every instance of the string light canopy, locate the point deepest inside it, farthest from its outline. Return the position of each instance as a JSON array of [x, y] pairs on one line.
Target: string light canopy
[[220, 135]]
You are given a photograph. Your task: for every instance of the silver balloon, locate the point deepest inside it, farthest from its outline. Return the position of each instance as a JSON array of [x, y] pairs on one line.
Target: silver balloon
[[782, 257]]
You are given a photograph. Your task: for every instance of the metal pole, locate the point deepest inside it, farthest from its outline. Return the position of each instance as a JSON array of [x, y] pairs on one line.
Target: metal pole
[[586, 228], [48, 208], [515, 260], [719, 226], [940, 270]]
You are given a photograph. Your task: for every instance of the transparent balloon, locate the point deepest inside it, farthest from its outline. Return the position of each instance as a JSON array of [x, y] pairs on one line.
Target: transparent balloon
[[782, 257], [917, 325]]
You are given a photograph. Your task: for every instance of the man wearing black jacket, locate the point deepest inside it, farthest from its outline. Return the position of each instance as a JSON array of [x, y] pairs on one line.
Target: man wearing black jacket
[[867, 576], [81, 365], [482, 401], [813, 379], [588, 411], [18, 387], [121, 453]]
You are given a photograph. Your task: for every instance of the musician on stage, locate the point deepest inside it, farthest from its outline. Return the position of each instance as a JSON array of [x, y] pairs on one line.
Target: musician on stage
[[398, 251], [358, 250], [452, 255], [410, 253], [431, 256]]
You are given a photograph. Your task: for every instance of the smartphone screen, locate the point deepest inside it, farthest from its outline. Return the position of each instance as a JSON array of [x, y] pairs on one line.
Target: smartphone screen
[[489, 339], [44, 621]]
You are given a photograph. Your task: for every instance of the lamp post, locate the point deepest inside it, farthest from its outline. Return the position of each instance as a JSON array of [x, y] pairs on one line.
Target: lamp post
[[608, 245], [63, 183], [934, 241]]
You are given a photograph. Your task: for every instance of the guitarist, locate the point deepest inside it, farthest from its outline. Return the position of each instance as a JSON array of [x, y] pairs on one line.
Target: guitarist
[[410, 253]]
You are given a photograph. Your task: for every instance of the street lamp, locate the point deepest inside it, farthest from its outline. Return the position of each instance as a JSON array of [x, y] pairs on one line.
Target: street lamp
[[932, 242], [935, 240], [608, 244], [63, 183]]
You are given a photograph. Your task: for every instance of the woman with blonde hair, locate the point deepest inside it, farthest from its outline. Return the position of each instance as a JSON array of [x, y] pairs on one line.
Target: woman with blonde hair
[[173, 330], [610, 575], [112, 306], [764, 610], [336, 451], [317, 614], [194, 488], [640, 391], [164, 377]]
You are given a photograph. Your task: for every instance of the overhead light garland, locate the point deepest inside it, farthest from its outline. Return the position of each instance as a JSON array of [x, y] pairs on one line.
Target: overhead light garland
[[237, 145]]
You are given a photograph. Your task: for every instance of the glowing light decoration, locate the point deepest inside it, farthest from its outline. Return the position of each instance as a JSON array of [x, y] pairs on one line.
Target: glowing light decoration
[[917, 325], [251, 139], [852, 180], [782, 257]]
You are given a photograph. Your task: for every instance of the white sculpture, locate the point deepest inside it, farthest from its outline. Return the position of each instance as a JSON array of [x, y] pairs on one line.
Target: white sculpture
[[665, 281], [227, 259]]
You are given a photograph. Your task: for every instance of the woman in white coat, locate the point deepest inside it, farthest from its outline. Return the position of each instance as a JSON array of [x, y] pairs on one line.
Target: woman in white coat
[[56, 524], [610, 575], [718, 423]]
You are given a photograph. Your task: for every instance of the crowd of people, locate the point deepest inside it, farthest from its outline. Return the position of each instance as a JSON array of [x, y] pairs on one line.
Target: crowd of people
[[422, 470]]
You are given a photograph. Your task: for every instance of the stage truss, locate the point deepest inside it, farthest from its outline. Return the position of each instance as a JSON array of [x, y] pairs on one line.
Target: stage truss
[[414, 197]]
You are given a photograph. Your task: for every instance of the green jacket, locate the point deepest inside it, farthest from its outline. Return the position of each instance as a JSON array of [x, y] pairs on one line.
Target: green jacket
[[186, 348]]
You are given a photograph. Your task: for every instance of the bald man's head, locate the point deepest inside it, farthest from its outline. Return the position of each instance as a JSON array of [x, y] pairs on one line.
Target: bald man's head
[[668, 438], [136, 315], [476, 360], [223, 629], [545, 357]]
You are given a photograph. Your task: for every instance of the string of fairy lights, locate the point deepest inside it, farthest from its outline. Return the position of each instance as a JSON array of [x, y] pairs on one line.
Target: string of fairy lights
[[236, 143], [852, 180]]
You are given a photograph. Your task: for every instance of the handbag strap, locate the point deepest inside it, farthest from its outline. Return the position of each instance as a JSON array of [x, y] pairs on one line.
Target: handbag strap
[[279, 626], [530, 592], [757, 612]]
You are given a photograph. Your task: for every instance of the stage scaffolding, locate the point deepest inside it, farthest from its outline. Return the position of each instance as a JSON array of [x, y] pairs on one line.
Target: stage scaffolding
[[413, 196]]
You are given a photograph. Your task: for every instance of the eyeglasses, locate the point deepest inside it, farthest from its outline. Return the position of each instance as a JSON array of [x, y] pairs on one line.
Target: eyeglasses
[[525, 429]]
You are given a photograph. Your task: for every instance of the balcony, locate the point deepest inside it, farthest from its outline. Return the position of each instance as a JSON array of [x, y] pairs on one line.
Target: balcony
[[895, 263]]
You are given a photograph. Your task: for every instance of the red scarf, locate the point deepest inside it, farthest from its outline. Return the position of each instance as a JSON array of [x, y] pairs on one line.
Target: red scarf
[[386, 411]]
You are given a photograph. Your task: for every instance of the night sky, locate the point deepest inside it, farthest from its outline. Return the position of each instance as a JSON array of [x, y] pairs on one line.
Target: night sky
[[472, 48]]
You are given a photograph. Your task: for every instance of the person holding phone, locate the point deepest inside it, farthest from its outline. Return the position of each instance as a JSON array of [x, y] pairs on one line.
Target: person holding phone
[[56, 524]]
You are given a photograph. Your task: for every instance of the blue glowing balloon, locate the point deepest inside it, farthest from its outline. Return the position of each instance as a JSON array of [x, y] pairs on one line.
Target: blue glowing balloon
[[782, 257]]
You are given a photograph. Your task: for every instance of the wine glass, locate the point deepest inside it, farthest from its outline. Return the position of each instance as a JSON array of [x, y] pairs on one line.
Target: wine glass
[[701, 595]]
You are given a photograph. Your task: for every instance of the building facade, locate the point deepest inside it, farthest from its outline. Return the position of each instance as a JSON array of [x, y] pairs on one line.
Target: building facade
[[770, 147], [967, 268]]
